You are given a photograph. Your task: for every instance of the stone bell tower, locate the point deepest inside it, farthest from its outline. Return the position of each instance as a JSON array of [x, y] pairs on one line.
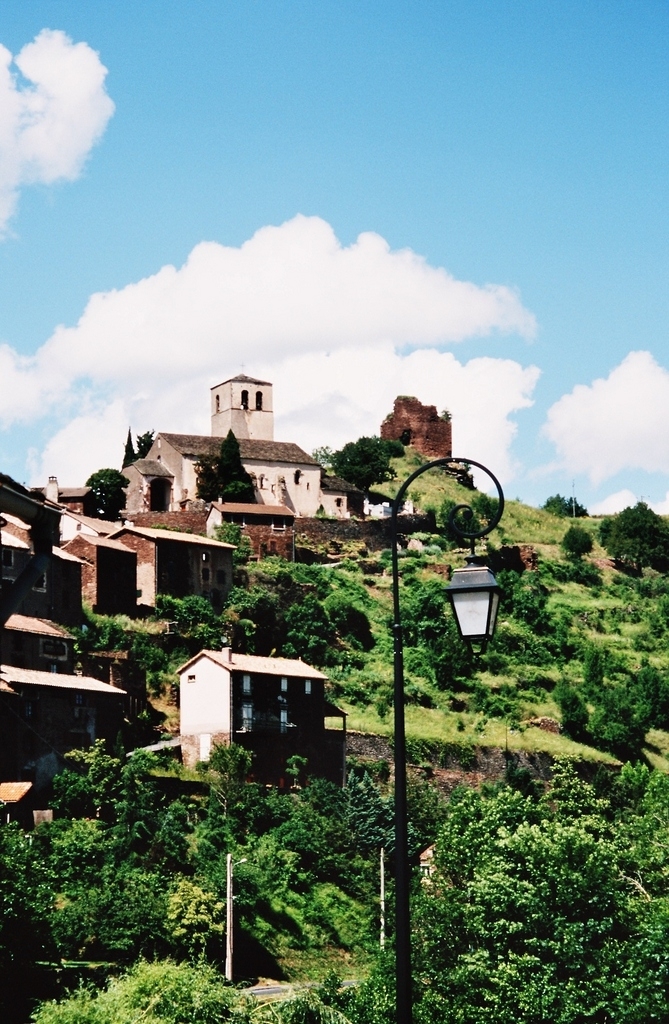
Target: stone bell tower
[[243, 405]]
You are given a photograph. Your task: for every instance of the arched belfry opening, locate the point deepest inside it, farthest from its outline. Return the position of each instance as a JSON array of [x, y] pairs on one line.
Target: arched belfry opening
[[245, 399], [258, 401]]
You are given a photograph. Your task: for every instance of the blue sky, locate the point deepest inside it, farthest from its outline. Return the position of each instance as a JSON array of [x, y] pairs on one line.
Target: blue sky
[[518, 144]]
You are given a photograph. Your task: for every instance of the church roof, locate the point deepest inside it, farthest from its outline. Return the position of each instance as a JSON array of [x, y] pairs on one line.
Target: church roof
[[241, 378], [198, 445], [149, 467]]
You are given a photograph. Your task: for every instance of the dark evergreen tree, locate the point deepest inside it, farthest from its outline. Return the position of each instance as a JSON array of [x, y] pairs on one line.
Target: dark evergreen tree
[[223, 475], [144, 442], [129, 455]]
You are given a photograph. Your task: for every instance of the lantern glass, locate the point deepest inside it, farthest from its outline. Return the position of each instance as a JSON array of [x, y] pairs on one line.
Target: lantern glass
[[474, 595], [471, 611]]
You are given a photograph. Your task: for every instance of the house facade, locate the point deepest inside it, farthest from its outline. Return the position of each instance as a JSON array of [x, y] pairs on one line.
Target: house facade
[[179, 564], [108, 574], [270, 528], [28, 642], [45, 714], [274, 707], [56, 596]]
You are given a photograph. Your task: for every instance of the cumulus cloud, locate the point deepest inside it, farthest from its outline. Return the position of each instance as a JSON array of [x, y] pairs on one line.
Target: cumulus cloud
[[613, 503], [51, 114], [340, 330], [615, 423]]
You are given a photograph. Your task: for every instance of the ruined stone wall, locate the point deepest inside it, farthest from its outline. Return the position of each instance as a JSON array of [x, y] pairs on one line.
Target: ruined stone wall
[[374, 534], [419, 425]]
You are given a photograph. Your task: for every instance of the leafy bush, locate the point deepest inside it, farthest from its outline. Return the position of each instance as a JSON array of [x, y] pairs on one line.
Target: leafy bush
[[576, 542]]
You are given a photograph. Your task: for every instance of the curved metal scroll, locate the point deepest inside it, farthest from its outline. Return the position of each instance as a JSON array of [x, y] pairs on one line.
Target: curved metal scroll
[[468, 511]]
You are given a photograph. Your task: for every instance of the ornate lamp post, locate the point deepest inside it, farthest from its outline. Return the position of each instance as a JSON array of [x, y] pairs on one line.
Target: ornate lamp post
[[474, 597]]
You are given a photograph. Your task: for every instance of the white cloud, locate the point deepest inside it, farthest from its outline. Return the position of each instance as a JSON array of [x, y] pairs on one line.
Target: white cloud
[[615, 423], [613, 503], [341, 331], [50, 120]]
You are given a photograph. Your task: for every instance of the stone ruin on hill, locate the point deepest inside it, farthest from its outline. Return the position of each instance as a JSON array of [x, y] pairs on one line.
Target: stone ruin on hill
[[419, 425]]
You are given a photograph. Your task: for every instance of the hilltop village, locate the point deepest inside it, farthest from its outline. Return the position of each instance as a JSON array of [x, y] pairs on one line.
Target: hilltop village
[[59, 693]]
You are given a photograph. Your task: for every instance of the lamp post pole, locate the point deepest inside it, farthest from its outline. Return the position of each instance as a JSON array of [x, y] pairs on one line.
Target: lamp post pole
[[402, 870], [229, 913]]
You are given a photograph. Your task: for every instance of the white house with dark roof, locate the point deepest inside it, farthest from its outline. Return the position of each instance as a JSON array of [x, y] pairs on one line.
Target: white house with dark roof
[[275, 707]]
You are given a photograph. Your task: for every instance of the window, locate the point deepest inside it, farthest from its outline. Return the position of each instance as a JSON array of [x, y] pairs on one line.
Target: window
[[245, 399], [307, 685], [247, 717], [205, 575], [79, 700], [284, 720], [258, 401], [205, 556], [53, 667], [338, 502], [218, 403], [7, 556], [297, 475], [261, 482], [28, 709], [246, 684], [41, 583], [54, 649], [191, 678], [284, 684]]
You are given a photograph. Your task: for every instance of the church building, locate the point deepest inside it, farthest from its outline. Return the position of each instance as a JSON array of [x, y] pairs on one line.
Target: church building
[[282, 473]]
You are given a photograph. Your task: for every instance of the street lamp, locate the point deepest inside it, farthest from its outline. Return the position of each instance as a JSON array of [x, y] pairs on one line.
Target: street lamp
[[474, 597], [229, 914]]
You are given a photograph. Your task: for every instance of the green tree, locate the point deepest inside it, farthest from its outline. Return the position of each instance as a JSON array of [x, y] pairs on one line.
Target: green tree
[[638, 537], [226, 772], [108, 486], [231, 533], [129, 455], [223, 475], [576, 542], [563, 507], [366, 461], [144, 443]]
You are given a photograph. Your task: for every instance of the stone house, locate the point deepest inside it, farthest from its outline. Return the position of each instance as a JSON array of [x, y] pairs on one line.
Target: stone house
[[270, 528], [56, 596], [45, 714], [108, 574], [274, 707], [27, 642], [340, 499], [179, 564]]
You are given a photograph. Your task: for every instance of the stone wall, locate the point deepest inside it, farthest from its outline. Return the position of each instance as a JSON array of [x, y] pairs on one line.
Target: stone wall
[[186, 522], [419, 425], [374, 534]]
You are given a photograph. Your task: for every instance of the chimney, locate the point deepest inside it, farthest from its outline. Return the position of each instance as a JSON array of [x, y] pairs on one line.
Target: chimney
[[52, 490]]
